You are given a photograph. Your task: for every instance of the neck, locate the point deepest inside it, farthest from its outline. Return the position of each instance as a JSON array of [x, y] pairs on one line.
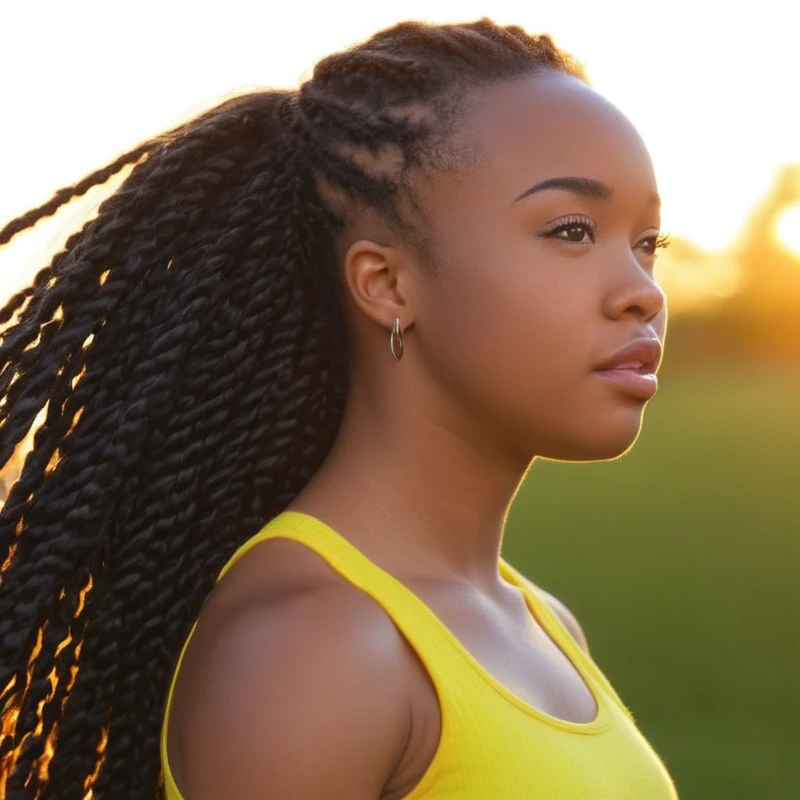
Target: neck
[[418, 487]]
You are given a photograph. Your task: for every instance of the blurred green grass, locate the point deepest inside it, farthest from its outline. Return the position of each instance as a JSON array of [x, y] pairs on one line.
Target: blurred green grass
[[681, 561]]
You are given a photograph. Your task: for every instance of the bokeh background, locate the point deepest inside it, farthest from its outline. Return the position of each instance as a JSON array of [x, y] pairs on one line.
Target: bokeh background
[[680, 558]]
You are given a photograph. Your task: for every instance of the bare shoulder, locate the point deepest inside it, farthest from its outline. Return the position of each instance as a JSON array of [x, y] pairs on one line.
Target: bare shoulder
[[292, 686], [564, 614]]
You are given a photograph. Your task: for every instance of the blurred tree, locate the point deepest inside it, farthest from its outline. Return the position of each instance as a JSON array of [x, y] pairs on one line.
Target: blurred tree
[[767, 304], [743, 301]]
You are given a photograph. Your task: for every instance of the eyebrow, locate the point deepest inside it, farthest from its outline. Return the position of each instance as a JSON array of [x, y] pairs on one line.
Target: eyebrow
[[586, 187]]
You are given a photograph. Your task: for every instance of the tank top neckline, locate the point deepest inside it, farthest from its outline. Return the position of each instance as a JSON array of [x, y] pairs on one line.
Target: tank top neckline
[[542, 616]]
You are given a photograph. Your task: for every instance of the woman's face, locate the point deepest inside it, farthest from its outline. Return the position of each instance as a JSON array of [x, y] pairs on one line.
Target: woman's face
[[538, 288]]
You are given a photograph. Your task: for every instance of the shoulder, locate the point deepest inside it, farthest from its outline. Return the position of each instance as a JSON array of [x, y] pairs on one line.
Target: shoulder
[[565, 616], [292, 685]]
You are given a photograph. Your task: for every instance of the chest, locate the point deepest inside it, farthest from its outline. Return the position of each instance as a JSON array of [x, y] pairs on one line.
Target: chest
[[511, 648]]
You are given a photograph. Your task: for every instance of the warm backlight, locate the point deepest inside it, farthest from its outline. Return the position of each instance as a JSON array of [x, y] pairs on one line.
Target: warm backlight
[[787, 228]]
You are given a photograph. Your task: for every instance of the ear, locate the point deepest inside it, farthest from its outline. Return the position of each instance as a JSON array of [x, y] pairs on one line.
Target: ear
[[379, 280]]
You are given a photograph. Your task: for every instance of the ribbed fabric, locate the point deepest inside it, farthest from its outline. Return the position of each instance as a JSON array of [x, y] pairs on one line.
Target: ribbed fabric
[[493, 745]]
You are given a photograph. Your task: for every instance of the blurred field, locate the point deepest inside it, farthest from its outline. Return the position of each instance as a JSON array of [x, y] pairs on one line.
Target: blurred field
[[681, 561]]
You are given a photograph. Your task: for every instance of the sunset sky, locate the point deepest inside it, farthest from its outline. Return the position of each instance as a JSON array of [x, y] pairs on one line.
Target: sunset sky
[[712, 92]]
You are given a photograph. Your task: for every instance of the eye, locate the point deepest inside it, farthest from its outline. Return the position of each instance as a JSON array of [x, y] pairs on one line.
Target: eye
[[576, 230], [653, 244]]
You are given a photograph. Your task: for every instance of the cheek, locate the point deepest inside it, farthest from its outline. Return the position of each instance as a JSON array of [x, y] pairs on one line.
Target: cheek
[[510, 329]]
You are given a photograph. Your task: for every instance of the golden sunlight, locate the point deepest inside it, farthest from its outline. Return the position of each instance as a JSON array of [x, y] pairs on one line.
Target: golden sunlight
[[787, 229]]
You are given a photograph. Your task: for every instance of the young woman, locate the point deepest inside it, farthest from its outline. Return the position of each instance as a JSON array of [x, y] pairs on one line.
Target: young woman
[[295, 371]]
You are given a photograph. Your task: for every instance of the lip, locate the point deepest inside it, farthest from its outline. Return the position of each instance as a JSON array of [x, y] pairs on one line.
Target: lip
[[633, 367]]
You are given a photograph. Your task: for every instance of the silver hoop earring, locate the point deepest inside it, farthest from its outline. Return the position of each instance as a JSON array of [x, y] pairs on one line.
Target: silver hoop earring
[[396, 337]]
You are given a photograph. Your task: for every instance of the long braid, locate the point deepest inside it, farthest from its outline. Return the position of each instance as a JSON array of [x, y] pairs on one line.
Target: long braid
[[190, 345]]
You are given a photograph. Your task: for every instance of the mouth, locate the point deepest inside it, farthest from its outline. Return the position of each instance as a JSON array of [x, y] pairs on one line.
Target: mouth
[[633, 368]]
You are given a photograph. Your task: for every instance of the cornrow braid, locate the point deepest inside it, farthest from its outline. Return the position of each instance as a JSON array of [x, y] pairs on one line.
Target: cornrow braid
[[188, 345]]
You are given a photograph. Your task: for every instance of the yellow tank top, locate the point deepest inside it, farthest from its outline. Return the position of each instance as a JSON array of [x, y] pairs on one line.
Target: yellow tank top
[[493, 744]]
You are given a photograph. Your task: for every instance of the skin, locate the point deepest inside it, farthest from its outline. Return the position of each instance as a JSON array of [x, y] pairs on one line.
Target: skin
[[501, 344]]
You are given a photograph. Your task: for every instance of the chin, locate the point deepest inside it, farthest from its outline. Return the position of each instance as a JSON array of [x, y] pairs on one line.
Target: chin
[[600, 442]]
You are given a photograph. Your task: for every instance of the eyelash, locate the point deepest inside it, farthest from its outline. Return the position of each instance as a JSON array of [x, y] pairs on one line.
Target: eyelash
[[570, 223], [660, 241]]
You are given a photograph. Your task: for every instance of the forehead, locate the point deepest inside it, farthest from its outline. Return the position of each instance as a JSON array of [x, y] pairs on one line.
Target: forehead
[[547, 125]]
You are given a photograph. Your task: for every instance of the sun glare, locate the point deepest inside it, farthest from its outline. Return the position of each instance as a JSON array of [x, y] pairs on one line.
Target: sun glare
[[787, 228]]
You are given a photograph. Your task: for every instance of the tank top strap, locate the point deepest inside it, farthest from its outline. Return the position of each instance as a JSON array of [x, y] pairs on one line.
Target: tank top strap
[[560, 633], [414, 619]]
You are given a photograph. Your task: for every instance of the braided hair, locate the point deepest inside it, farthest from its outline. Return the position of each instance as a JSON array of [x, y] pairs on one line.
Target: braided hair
[[188, 353]]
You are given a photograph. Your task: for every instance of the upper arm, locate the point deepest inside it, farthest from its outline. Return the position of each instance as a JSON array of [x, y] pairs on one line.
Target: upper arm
[[301, 698]]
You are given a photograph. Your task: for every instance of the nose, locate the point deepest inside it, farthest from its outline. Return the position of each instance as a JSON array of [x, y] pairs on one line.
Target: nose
[[635, 292]]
